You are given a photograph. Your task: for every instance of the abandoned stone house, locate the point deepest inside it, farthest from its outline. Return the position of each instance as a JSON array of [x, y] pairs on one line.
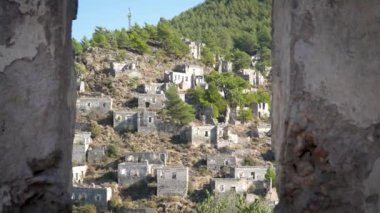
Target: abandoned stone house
[[224, 65], [120, 68], [172, 181], [182, 80], [218, 136], [151, 101], [85, 105], [125, 120], [97, 196], [141, 121], [255, 78], [306, 33], [147, 122], [96, 154], [79, 172], [256, 173], [225, 137], [154, 88], [220, 161], [81, 143], [195, 48], [202, 135], [153, 158], [130, 173], [222, 185], [261, 110]]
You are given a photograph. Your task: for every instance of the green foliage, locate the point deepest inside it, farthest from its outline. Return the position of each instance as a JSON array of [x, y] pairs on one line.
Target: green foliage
[[261, 96], [245, 115], [85, 43], [208, 205], [241, 60], [249, 161], [88, 208], [271, 175], [207, 56], [94, 129], [170, 40], [77, 47], [231, 85], [100, 38], [178, 111], [112, 151], [208, 98], [79, 69], [258, 206], [121, 55], [225, 24]]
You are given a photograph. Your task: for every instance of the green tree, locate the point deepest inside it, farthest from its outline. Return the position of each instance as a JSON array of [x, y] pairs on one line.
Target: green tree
[[80, 69], [77, 47], [94, 129], [232, 87], [257, 206], [207, 56], [271, 175], [241, 60], [178, 111], [85, 43], [112, 151], [170, 40], [100, 38], [245, 115]]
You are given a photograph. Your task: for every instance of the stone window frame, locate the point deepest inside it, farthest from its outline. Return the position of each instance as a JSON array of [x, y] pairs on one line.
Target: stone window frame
[[98, 197]]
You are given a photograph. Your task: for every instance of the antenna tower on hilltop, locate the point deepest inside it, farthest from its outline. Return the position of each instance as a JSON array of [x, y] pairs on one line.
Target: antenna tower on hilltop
[[129, 19]]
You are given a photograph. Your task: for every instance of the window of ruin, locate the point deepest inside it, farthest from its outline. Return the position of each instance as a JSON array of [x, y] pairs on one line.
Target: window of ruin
[[123, 171], [174, 175], [98, 197], [221, 188], [253, 175], [147, 104], [233, 188], [206, 133]]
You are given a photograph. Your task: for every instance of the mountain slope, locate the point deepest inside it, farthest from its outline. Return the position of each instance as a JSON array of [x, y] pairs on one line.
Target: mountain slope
[[227, 24]]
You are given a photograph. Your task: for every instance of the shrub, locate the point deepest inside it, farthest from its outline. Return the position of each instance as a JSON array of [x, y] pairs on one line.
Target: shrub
[[88, 208], [95, 129]]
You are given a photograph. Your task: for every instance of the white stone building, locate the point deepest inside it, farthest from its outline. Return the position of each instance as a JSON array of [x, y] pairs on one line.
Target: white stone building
[[79, 172]]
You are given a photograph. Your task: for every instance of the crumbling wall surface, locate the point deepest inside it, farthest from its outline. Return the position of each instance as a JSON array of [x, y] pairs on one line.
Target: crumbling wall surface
[[326, 108], [37, 97]]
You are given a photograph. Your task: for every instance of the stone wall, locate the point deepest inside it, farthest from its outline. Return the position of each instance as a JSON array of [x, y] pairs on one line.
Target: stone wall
[[37, 102], [130, 173], [326, 108], [172, 181]]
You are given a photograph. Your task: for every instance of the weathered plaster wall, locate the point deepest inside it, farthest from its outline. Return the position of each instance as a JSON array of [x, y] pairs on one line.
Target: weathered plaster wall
[[37, 105], [326, 107]]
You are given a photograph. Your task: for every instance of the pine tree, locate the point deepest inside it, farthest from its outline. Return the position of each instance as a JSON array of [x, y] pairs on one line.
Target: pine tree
[[178, 111]]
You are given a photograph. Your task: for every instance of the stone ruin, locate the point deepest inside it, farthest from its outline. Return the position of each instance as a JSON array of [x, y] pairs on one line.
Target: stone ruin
[[326, 117]]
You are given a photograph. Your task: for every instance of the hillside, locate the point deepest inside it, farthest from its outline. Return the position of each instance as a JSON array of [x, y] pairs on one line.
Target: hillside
[[225, 24]]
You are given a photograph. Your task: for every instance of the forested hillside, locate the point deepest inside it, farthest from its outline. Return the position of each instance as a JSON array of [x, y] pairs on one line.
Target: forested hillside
[[225, 25]]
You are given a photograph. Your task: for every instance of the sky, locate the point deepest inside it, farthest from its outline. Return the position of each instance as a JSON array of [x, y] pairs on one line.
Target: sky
[[113, 14]]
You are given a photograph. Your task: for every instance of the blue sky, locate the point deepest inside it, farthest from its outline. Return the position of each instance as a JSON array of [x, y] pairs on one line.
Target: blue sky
[[112, 14]]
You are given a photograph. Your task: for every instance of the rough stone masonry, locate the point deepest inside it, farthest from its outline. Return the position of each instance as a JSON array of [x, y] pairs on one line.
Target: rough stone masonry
[[326, 105], [37, 105]]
